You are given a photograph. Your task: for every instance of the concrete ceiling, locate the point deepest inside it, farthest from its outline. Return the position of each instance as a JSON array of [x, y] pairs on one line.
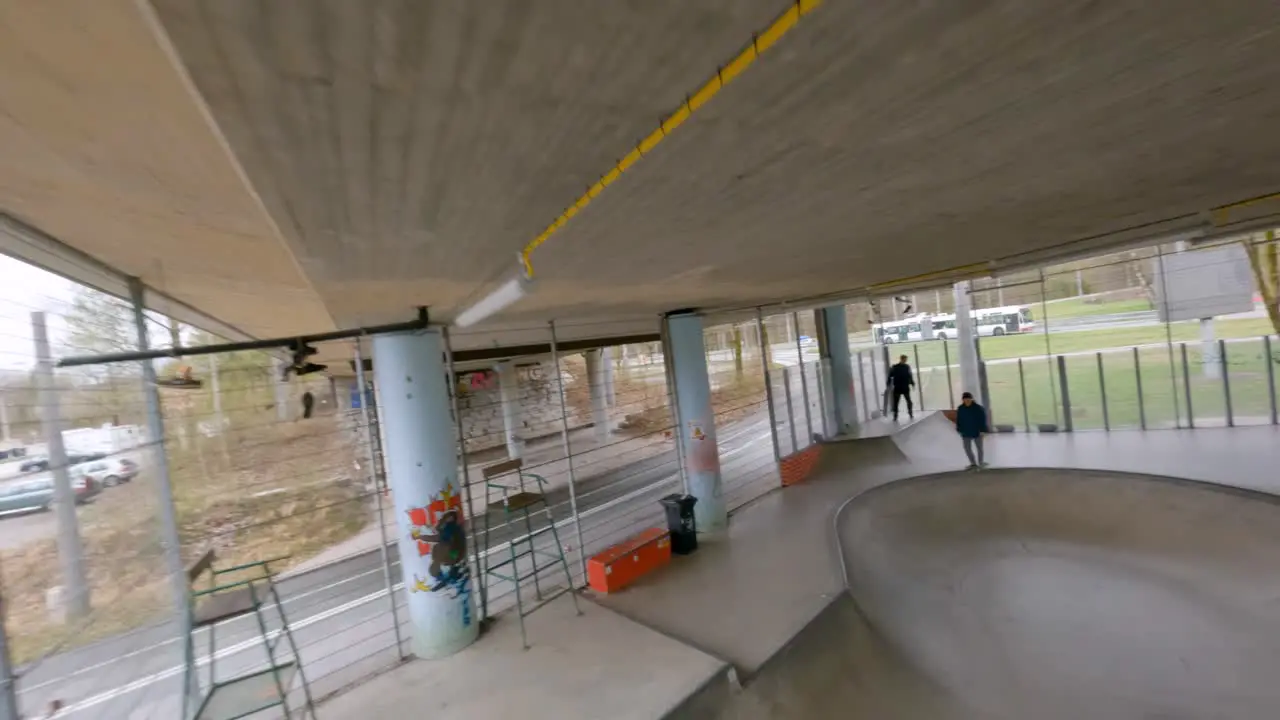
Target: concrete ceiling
[[295, 165]]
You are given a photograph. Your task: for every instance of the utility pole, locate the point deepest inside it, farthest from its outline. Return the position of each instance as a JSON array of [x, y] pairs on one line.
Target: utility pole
[[170, 539], [5, 435], [8, 681], [75, 587]]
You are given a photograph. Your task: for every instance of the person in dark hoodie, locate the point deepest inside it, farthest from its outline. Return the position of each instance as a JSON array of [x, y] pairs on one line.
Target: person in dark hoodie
[[971, 423], [900, 383]]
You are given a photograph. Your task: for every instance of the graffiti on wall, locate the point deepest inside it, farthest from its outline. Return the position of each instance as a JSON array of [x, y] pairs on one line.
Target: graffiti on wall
[[441, 542]]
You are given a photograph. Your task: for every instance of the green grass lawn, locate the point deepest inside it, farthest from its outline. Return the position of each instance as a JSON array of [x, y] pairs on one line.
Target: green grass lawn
[[1163, 390], [1080, 307], [1038, 345]]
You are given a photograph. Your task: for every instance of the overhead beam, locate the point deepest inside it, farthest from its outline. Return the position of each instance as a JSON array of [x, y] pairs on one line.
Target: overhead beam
[[294, 343], [515, 351]]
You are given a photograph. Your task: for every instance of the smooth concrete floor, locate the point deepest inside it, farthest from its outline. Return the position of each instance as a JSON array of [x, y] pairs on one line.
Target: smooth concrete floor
[[1070, 594], [598, 665], [995, 612], [768, 597]]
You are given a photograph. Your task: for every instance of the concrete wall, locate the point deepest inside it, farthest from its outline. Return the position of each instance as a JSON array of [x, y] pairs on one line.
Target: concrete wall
[[481, 411]]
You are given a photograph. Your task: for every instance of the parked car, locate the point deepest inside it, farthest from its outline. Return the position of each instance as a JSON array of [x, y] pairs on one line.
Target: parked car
[[26, 495], [37, 494], [106, 472], [36, 463]]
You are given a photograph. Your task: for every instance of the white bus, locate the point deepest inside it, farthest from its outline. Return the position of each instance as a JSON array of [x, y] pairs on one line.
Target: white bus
[[990, 322]]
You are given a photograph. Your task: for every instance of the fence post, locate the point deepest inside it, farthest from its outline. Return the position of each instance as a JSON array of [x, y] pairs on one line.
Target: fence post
[[862, 385], [170, 540], [387, 577], [1065, 390], [984, 388], [8, 681], [804, 382], [1137, 375], [1226, 382], [877, 392], [768, 388], [791, 416], [1271, 377], [668, 371], [75, 583], [1102, 389], [822, 398], [1022, 383], [951, 389], [1186, 386], [568, 458], [915, 349]]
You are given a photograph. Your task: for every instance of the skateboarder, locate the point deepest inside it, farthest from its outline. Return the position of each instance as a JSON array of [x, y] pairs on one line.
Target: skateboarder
[[900, 382], [971, 423]]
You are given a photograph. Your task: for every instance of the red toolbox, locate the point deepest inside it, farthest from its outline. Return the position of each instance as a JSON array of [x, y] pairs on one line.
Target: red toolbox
[[624, 563]]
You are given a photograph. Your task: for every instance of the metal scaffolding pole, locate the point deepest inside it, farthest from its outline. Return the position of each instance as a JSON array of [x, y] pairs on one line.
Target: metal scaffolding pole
[[1226, 382], [170, 540], [75, 585], [668, 372], [568, 458], [387, 576], [1067, 423], [1022, 383], [1102, 389], [791, 416], [768, 389], [1186, 383], [1271, 377], [804, 383], [1137, 376]]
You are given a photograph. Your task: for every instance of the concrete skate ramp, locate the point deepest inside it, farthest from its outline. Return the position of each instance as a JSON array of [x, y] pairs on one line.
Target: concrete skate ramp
[[1045, 594], [1065, 594]]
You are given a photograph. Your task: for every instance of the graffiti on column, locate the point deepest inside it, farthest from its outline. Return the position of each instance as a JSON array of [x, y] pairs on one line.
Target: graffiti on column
[[702, 453], [441, 541]]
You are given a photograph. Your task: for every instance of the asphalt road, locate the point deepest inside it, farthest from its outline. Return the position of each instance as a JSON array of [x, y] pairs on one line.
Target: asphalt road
[[340, 612]]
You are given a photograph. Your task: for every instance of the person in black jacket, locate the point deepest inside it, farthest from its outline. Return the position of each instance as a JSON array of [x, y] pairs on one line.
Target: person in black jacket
[[971, 423], [901, 381]]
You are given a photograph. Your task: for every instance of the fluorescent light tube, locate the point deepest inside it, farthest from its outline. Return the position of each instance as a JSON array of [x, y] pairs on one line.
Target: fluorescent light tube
[[504, 295]]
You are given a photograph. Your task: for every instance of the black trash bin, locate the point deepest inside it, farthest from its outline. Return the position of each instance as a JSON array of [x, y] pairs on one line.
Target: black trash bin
[[680, 521]]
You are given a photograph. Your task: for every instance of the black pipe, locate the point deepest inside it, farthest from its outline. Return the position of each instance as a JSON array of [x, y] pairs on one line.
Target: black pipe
[[290, 342]]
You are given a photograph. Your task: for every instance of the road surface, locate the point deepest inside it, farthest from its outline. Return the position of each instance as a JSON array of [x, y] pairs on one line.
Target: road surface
[[340, 612]]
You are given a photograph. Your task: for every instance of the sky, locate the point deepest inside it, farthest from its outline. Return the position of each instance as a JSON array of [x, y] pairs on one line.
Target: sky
[[24, 289]]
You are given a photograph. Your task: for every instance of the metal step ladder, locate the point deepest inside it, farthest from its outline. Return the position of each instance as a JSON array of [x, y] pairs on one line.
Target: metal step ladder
[[518, 504], [234, 592]]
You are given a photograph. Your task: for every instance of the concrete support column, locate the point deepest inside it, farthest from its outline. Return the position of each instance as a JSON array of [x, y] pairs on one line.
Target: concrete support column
[[599, 394], [509, 397], [966, 333], [687, 362], [611, 393], [422, 469], [833, 332]]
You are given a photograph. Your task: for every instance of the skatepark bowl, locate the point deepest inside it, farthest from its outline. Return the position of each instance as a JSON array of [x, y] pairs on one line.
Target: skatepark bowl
[[1041, 594]]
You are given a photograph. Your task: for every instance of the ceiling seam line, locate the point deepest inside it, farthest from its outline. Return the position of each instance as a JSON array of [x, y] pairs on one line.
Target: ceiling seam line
[[760, 42]]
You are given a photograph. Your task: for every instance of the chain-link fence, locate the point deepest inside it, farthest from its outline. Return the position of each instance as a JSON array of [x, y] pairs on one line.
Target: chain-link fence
[[261, 467], [1106, 343]]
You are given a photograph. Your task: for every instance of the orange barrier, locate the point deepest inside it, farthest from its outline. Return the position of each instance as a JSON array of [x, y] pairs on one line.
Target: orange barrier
[[624, 563], [796, 467]]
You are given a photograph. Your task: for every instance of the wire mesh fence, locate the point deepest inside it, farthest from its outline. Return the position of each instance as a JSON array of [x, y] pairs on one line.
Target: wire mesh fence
[[739, 401], [260, 467]]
